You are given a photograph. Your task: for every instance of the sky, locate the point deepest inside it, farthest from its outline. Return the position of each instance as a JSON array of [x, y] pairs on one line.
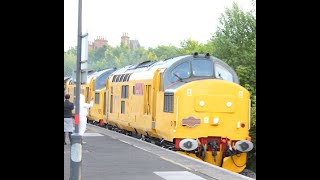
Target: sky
[[151, 22]]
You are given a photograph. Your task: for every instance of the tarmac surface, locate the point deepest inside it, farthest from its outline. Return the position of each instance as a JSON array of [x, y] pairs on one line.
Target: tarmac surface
[[111, 155]]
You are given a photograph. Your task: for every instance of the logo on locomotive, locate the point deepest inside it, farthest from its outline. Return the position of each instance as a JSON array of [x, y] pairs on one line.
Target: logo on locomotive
[[191, 121]]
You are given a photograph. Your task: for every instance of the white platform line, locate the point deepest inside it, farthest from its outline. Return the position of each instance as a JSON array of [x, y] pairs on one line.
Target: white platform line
[[178, 175], [92, 134]]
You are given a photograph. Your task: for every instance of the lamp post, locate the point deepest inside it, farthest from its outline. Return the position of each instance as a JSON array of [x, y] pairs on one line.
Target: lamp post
[[76, 138]]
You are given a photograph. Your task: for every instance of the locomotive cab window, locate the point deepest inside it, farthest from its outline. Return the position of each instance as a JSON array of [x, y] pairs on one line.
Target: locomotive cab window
[[101, 81], [202, 68], [222, 73], [182, 71]]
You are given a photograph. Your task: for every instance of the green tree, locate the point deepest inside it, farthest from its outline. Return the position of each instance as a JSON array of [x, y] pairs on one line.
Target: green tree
[[99, 65], [235, 43], [69, 62], [162, 52], [190, 46]]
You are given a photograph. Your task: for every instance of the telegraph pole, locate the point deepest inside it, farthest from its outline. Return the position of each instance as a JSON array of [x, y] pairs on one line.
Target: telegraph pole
[[76, 138]]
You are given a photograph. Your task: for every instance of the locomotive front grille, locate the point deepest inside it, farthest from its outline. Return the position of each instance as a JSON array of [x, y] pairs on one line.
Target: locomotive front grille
[[168, 102]]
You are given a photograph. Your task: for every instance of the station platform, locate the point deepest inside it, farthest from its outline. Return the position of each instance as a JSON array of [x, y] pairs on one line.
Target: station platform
[[111, 155]]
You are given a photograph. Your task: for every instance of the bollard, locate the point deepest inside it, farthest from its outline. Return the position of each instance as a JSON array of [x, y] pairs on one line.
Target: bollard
[[76, 156]]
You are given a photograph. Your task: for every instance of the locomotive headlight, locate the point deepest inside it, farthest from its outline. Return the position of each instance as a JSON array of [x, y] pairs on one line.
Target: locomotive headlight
[[216, 121], [244, 146], [229, 104], [201, 103], [188, 144]]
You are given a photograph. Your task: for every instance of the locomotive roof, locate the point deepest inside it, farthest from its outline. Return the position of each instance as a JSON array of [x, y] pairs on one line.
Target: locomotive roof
[[148, 65], [146, 69], [98, 73], [93, 74]]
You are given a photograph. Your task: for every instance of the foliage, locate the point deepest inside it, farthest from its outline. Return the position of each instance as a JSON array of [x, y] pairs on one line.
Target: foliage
[[235, 43], [190, 46], [162, 52], [69, 62]]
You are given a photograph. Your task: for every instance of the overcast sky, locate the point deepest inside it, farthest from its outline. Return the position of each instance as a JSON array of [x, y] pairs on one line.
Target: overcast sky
[[152, 22]]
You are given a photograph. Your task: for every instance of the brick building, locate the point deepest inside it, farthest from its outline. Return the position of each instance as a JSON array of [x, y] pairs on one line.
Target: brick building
[[132, 44], [125, 39], [97, 43]]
